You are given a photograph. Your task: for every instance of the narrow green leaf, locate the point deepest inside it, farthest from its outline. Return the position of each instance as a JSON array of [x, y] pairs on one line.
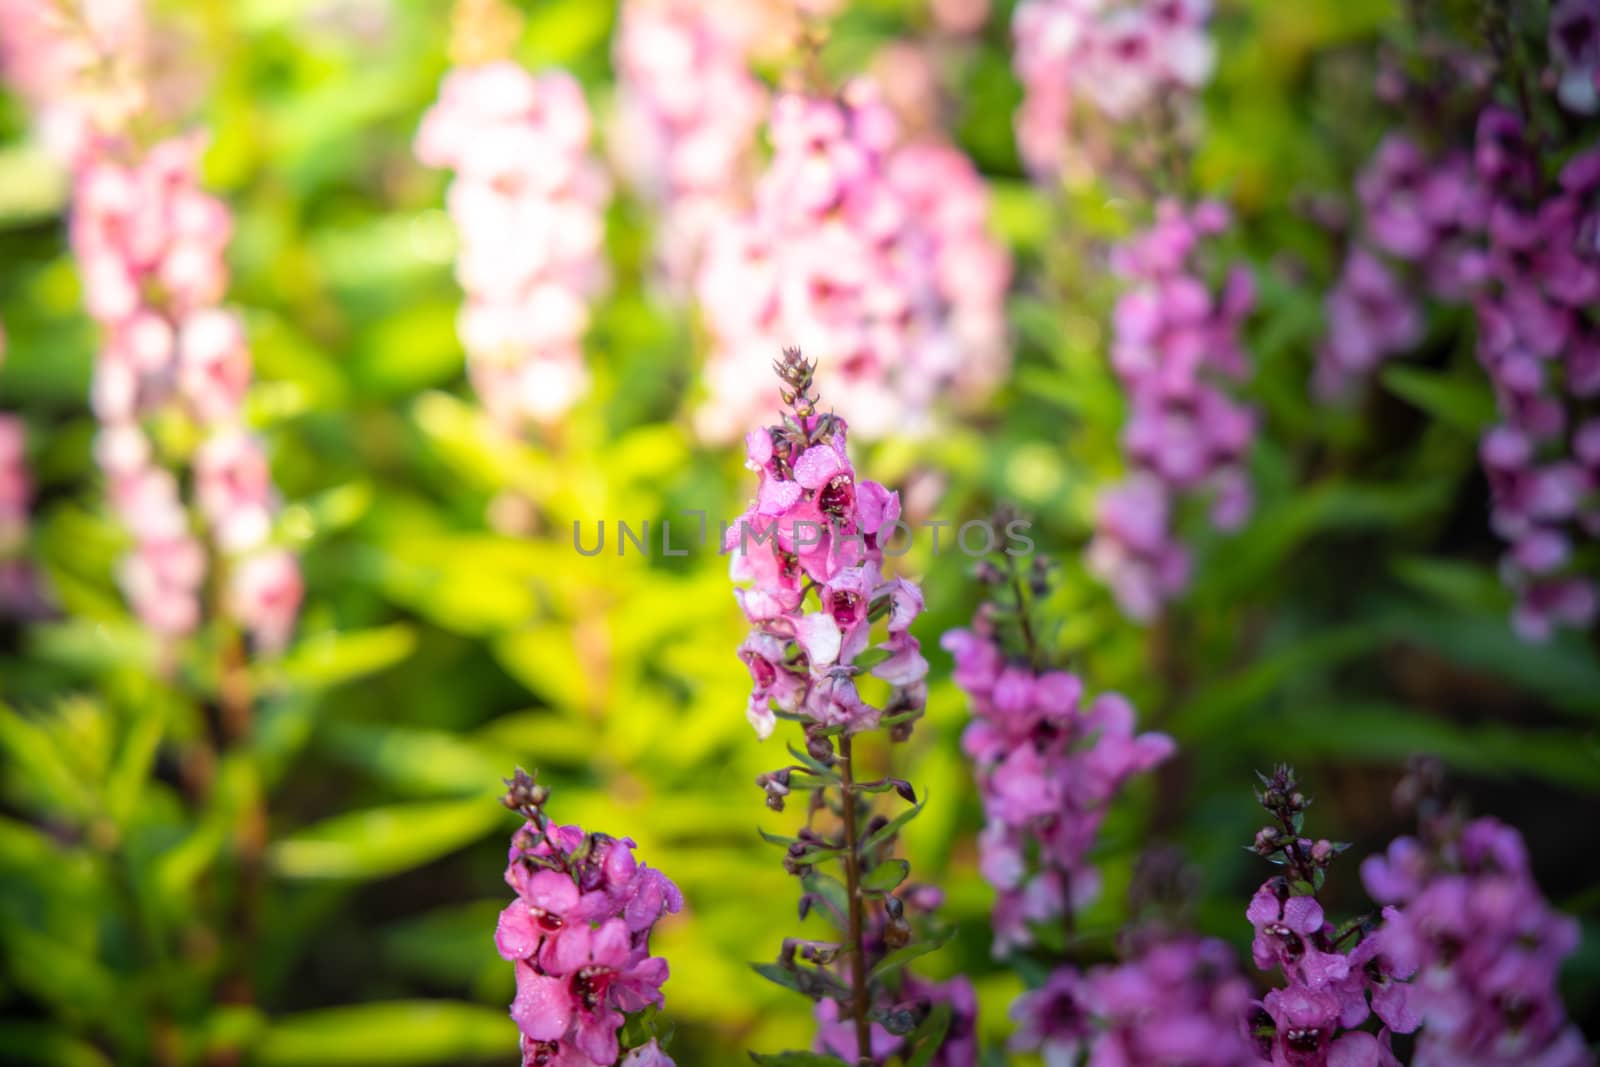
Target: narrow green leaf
[[325, 660], [885, 876], [47, 1046], [893, 826], [797, 1059], [382, 841], [897, 959], [1462, 401], [415, 762], [777, 975], [829, 889], [929, 1037], [392, 1034]]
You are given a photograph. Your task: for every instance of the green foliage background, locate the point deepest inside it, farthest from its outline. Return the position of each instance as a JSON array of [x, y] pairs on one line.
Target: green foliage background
[[1356, 620]]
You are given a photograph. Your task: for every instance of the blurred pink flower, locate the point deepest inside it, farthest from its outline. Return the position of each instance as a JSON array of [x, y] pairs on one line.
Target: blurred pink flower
[[528, 201]]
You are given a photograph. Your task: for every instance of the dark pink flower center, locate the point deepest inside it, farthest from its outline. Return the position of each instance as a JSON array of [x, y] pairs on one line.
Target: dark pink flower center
[[1303, 1039], [837, 496], [845, 605], [540, 1053], [762, 671], [1293, 948], [589, 985]]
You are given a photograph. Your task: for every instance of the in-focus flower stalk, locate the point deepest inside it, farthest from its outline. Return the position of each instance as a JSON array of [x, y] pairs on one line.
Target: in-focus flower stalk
[[1335, 977], [808, 545]]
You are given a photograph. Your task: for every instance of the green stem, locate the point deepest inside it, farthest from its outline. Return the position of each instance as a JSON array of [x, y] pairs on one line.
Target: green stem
[[852, 881]]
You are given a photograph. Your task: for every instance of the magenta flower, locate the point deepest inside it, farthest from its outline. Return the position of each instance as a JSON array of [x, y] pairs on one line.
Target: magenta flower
[[1575, 47], [688, 114], [1047, 767], [1486, 947], [1053, 1020], [1329, 989], [579, 935], [1504, 225], [1176, 341], [1178, 1001]]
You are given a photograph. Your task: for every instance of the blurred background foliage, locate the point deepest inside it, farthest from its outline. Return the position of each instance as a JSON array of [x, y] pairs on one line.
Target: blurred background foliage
[[452, 632]]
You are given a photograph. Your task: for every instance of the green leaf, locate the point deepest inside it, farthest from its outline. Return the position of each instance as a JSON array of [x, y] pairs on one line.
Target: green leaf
[[897, 959], [382, 841], [777, 975], [829, 889], [1455, 584], [1462, 401], [930, 1035], [37, 761], [797, 1059], [1562, 670], [392, 1034], [416, 762], [177, 868], [885, 876], [48, 1046], [1390, 733], [886, 832], [127, 780], [330, 659]]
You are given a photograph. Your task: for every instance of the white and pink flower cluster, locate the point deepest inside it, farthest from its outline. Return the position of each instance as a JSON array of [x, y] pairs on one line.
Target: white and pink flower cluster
[[1179, 1001], [75, 67], [1048, 765], [880, 272], [1117, 58], [689, 115], [528, 200], [1176, 344], [149, 244], [811, 545], [579, 934], [1488, 948]]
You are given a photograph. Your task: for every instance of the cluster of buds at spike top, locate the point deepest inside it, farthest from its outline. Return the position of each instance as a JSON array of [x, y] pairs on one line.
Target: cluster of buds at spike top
[[579, 934], [797, 381], [1305, 861], [1335, 977]]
